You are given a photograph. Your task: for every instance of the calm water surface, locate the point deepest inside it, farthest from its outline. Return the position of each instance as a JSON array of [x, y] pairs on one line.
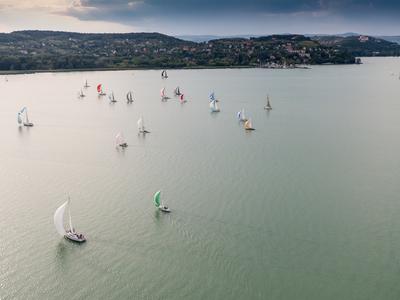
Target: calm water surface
[[305, 207]]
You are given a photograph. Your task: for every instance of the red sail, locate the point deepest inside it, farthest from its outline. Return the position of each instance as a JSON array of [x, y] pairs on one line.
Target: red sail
[[99, 88]]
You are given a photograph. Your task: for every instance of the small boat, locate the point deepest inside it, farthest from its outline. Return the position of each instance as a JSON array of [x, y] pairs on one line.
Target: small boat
[[100, 90], [81, 94], [23, 114], [129, 97], [248, 125], [141, 127], [182, 98], [86, 85], [268, 106], [159, 204], [163, 95], [112, 98], [241, 116], [214, 106], [177, 91], [70, 233], [120, 140], [164, 74]]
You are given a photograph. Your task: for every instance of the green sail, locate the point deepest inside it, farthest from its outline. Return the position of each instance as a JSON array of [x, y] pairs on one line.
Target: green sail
[[157, 198]]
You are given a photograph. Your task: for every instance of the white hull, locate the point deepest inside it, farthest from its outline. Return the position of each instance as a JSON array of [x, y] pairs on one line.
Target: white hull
[[164, 208], [75, 237]]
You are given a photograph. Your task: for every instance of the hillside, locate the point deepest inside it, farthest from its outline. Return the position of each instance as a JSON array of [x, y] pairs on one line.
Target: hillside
[[360, 45], [49, 50]]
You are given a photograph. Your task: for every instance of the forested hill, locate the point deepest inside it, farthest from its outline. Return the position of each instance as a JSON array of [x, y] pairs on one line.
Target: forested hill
[[361, 45], [51, 50]]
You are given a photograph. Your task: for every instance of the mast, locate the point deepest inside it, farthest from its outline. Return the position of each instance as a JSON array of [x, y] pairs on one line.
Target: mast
[[26, 115], [70, 218]]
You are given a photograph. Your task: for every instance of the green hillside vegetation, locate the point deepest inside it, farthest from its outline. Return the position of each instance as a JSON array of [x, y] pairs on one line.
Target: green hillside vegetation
[[50, 50]]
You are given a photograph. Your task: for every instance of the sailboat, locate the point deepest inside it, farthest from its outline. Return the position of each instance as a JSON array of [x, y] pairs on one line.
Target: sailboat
[[120, 140], [163, 95], [241, 116], [100, 90], [112, 98], [129, 97], [268, 106], [177, 91], [81, 94], [182, 98], [164, 74], [159, 204], [140, 124], [214, 106], [20, 115], [248, 125], [86, 84], [70, 233]]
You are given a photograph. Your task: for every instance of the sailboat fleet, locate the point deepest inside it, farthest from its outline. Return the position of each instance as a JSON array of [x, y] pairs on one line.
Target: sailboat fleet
[[69, 232]]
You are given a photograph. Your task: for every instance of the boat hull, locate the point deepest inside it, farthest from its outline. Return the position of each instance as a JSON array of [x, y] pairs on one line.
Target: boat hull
[[28, 124], [164, 209], [75, 238]]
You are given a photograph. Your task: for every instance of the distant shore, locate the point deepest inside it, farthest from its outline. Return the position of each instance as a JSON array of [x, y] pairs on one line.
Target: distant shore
[[17, 72]]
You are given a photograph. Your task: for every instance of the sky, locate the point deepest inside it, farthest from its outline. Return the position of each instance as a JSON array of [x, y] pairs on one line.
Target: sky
[[204, 17]]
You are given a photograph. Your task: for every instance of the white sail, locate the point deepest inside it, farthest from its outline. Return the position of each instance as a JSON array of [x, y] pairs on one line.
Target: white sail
[[19, 118], [213, 106], [71, 227], [59, 219], [120, 139], [140, 124], [241, 116], [26, 115]]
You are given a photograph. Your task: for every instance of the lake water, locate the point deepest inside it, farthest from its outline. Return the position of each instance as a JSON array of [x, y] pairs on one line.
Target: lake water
[[305, 207]]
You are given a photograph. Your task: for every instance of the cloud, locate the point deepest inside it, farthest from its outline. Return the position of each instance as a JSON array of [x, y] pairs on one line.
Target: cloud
[[219, 16]]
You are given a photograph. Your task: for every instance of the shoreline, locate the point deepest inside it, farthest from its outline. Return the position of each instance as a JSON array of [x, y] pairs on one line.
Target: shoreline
[[19, 72], [297, 67]]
